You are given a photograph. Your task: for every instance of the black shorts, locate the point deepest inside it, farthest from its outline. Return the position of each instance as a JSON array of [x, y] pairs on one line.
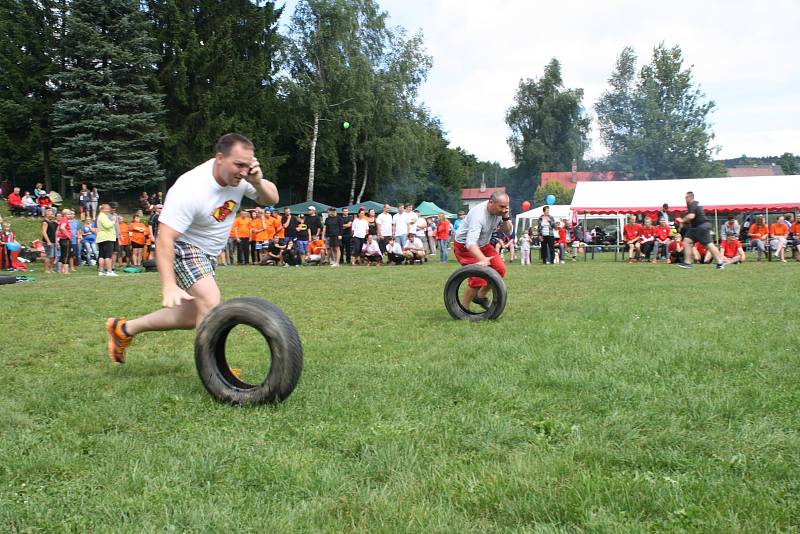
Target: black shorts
[[334, 241], [136, 245], [106, 249], [700, 234]]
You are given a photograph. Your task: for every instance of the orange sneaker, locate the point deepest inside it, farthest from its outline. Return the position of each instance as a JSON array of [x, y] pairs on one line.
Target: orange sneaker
[[117, 340]]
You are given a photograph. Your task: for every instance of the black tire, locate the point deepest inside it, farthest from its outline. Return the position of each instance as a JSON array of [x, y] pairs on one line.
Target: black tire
[[498, 293], [282, 339]]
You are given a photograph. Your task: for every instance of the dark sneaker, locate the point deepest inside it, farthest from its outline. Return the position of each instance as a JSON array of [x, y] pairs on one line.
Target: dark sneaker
[[117, 340], [483, 302], [684, 265], [720, 266]]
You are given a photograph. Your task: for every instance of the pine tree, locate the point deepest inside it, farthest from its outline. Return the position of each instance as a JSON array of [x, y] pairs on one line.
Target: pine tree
[[216, 70], [107, 115]]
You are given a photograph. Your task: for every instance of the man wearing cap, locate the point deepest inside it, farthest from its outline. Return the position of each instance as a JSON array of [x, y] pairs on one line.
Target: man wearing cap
[[303, 235], [314, 223], [332, 235], [473, 243], [193, 229]]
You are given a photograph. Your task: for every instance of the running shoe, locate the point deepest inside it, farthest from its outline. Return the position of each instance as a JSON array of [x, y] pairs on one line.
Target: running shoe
[[483, 302], [720, 266], [684, 265], [117, 340]]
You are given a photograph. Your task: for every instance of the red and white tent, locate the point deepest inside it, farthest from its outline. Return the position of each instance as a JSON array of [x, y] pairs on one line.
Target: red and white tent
[[728, 194]]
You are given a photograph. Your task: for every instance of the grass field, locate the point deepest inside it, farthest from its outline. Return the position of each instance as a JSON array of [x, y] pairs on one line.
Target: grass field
[[608, 398]]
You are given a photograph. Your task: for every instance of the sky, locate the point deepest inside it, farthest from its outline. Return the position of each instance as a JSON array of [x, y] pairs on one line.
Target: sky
[[744, 55]]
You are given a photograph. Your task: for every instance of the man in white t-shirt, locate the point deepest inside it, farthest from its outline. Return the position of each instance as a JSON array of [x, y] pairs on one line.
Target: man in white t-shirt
[[413, 249], [360, 229], [384, 223], [400, 225], [192, 230]]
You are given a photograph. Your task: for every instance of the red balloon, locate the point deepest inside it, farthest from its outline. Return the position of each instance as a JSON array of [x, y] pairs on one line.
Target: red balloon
[[526, 205]]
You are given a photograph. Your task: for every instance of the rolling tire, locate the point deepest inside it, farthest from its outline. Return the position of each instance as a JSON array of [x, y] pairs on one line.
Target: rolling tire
[[498, 293], [282, 339]]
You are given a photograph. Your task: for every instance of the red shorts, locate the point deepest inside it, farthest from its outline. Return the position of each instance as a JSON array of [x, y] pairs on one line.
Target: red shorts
[[465, 257]]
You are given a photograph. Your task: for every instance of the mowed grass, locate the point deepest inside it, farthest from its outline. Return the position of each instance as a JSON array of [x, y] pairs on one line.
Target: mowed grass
[[607, 398]]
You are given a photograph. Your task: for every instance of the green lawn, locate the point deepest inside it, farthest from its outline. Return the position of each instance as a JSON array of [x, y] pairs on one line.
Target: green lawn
[[596, 403]]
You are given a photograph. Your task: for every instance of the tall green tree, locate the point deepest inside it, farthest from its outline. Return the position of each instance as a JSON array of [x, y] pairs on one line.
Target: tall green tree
[[789, 163], [28, 57], [655, 124], [106, 118], [333, 45], [217, 69], [548, 126]]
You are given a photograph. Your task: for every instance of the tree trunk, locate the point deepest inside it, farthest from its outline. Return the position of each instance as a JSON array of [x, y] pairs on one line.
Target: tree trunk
[[46, 165], [363, 183], [312, 158], [353, 177]]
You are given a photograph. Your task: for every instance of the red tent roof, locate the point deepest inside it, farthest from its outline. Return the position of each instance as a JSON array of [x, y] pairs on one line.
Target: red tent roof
[[476, 194]]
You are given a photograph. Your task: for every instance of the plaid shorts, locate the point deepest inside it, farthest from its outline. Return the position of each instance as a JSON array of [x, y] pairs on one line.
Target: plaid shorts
[[191, 264]]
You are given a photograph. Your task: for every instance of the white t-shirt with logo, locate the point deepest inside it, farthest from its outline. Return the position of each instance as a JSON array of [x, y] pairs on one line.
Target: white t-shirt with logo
[[384, 221], [201, 210]]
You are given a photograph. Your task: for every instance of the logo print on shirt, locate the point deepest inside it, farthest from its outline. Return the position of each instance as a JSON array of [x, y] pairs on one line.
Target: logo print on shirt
[[221, 213]]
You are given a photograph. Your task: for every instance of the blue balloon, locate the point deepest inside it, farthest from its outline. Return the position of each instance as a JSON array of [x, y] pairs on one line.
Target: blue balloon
[[13, 246], [551, 199]]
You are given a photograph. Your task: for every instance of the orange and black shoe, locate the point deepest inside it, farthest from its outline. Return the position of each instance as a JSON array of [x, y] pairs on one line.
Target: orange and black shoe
[[118, 341]]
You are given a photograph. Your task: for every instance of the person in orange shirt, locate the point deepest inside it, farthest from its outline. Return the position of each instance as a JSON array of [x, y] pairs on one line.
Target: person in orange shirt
[[758, 234], [316, 251], [124, 242], [242, 230], [138, 235], [277, 222], [796, 239], [779, 233], [257, 225]]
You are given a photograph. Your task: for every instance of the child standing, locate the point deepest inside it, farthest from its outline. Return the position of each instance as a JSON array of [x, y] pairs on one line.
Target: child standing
[[525, 249]]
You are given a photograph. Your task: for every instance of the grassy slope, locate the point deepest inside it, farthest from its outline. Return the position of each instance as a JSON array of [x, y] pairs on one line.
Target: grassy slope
[[595, 403]]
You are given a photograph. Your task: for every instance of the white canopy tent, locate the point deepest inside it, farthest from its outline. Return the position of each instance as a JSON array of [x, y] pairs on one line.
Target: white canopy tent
[[728, 194]]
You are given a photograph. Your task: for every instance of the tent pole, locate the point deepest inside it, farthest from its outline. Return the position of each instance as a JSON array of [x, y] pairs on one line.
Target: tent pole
[[584, 236], [616, 247], [716, 226], [769, 243]]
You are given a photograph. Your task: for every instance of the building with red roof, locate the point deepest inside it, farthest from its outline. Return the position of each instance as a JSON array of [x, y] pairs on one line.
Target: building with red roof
[[472, 196]]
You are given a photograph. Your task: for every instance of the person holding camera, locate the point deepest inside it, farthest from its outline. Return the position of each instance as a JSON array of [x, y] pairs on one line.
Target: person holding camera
[[193, 229]]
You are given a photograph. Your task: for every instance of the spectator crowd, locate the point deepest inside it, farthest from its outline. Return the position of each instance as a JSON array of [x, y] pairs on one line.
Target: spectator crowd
[[98, 235]]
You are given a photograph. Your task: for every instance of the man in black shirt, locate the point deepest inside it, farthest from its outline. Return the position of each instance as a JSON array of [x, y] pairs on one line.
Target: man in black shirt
[[314, 223], [303, 237], [289, 223], [274, 253], [696, 227], [332, 235], [347, 234]]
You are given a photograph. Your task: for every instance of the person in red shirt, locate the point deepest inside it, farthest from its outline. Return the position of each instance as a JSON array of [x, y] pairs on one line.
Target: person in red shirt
[[662, 241], [732, 251], [700, 253], [779, 232], [631, 233], [15, 202], [647, 240], [675, 249], [443, 229]]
